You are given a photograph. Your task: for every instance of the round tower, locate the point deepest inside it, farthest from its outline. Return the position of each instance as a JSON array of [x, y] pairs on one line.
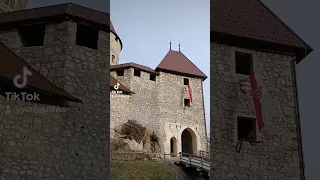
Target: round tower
[[115, 46], [12, 5]]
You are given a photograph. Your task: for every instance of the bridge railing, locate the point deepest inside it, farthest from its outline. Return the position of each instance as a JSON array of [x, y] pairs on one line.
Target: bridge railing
[[195, 161]]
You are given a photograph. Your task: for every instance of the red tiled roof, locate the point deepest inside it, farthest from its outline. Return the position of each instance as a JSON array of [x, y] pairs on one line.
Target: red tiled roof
[[133, 65], [252, 19], [176, 61], [11, 65], [113, 82]]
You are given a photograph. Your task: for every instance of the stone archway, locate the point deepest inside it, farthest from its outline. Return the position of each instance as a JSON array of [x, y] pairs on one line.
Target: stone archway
[[173, 147], [188, 141]]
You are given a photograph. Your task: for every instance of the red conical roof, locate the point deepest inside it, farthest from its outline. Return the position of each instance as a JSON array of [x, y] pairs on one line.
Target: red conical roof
[[177, 62]]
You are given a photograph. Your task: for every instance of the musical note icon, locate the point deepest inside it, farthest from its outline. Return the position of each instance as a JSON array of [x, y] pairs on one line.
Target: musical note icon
[[23, 77]]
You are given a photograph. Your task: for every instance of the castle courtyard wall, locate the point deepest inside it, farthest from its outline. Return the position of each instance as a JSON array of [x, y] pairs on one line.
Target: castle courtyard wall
[[277, 157]]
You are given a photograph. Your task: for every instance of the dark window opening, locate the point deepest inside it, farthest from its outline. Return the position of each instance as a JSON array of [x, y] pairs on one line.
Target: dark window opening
[[120, 72], [137, 72], [185, 81], [113, 59], [153, 77], [246, 129], [87, 36], [187, 102], [32, 35], [243, 63]]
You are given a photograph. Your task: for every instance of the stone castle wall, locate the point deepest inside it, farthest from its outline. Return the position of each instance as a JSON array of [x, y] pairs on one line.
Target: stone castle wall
[[171, 105], [277, 156], [115, 48], [60, 145], [156, 103], [141, 106], [14, 5]]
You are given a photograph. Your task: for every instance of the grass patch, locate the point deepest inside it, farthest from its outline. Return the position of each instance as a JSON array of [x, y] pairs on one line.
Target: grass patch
[[141, 170]]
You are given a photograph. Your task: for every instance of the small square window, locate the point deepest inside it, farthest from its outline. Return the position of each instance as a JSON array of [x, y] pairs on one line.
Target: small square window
[[137, 73], [153, 77], [120, 72], [87, 36], [187, 102], [243, 63], [185, 81], [246, 129]]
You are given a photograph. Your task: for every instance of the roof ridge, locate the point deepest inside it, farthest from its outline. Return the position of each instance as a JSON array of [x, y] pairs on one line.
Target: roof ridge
[[282, 22]]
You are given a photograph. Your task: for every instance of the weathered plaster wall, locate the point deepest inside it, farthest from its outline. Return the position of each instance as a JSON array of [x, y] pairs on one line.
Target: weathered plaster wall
[[65, 145], [277, 157]]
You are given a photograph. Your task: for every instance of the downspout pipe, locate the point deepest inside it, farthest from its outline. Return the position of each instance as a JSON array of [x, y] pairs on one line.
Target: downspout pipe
[[298, 122]]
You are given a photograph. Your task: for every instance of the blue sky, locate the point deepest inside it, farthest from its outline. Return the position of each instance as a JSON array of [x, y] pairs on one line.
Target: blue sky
[[145, 28]]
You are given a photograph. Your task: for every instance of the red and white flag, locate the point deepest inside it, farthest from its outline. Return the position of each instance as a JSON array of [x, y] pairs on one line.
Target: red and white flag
[[260, 99], [190, 93]]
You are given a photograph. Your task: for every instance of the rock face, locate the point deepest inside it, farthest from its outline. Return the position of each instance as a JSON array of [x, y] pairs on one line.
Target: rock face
[[277, 157], [70, 144]]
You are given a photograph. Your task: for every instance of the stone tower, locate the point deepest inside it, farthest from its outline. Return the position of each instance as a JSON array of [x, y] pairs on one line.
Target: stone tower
[[63, 135], [12, 5], [115, 46], [253, 39], [160, 103]]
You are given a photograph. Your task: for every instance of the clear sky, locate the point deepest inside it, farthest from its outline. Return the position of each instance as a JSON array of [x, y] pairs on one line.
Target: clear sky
[[145, 28], [302, 17]]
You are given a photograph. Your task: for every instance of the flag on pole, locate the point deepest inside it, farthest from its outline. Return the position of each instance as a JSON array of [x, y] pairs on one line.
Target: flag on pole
[[260, 99], [190, 93]]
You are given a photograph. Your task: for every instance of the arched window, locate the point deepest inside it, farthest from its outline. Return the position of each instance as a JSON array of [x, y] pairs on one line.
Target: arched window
[[113, 59]]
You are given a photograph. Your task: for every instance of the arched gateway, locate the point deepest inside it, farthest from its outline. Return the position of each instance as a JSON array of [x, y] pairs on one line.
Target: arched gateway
[[189, 141]]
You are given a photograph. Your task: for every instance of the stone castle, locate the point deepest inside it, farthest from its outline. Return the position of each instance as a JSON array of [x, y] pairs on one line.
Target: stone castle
[[64, 133], [246, 36], [160, 101]]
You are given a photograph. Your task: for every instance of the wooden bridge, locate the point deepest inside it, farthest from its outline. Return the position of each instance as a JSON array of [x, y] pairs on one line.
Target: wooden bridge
[[201, 161]]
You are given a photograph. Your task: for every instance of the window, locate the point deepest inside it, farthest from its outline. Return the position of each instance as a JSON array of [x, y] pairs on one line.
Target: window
[[185, 81], [120, 72], [187, 102], [32, 35], [153, 77], [87, 36], [246, 129], [243, 63], [113, 59], [137, 72]]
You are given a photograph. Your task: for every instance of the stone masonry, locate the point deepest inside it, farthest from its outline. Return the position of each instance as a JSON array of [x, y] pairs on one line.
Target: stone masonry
[[156, 103], [277, 157], [69, 144]]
